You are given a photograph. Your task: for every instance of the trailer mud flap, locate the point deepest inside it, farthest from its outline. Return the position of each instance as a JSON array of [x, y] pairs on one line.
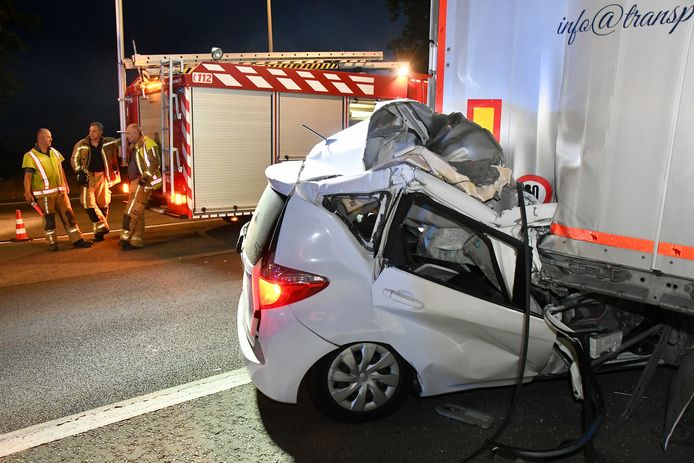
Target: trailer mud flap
[[680, 396]]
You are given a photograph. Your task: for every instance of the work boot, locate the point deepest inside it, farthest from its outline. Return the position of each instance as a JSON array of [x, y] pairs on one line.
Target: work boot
[[99, 236], [53, 247], [126, 246], [82, 244]]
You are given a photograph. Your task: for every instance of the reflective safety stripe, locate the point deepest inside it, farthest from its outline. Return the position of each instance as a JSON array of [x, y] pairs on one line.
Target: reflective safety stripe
[[107, 167], [607, 239], [39, 166], [137, 161], [145, 157], [132, 201], [676, 250], [49, 191], [155, 181], [624, 242]]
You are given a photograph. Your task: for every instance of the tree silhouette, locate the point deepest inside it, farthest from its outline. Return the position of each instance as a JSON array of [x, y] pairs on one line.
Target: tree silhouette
[[413, 43], [11, 21]]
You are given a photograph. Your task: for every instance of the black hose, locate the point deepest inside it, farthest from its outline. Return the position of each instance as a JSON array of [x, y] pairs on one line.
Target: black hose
[[590, 386], [526, 332], [594, 408]]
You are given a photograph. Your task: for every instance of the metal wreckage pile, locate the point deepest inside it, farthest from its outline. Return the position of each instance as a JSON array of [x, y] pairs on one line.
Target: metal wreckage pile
[[466, 156]]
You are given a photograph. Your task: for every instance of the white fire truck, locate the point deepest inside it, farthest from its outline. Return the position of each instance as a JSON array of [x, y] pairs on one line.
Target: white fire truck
[[221, 122]]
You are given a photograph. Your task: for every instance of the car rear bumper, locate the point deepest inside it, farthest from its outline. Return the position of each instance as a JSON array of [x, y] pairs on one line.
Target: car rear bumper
[[283, 352]]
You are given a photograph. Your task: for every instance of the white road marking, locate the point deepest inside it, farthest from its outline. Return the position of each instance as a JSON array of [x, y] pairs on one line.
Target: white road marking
[[43, 433]]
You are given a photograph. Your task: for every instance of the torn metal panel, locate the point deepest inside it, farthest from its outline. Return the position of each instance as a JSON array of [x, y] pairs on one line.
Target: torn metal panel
[[429, 161], [464, 151], [623, 282], [450, 196]]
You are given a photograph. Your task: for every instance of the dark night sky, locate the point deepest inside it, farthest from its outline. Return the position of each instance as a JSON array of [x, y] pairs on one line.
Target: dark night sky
[[69, 75]]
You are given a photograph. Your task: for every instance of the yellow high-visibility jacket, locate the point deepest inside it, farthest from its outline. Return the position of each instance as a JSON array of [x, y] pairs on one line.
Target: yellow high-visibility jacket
[[148, 163], [48, 178]]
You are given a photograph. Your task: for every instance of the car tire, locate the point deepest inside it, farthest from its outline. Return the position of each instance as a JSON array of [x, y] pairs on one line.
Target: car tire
[[360, 382]]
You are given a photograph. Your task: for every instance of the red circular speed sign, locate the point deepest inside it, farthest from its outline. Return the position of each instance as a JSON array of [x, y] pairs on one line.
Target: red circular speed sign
[[538, 187]]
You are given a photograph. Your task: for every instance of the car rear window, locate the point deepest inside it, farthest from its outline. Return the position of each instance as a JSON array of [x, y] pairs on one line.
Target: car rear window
[[263, 224]]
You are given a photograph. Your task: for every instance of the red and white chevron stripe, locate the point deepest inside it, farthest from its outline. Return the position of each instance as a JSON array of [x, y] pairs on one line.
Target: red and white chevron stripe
[[187, 145], [228, 75]]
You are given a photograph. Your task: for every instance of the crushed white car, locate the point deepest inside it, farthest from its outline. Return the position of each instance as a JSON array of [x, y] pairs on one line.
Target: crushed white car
[[392, 261]]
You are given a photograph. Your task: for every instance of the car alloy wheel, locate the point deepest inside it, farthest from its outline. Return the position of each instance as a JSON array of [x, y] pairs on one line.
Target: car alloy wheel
[[360, 381]]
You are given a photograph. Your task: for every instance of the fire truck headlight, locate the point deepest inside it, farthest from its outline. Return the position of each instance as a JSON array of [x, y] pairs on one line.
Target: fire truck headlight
[[217, 53], [404, 70]]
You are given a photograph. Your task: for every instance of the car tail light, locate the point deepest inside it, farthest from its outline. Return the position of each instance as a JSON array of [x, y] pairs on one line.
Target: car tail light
[[275, 286]]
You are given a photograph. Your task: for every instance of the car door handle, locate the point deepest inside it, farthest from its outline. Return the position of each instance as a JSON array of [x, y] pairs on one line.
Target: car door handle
[[404, 297]]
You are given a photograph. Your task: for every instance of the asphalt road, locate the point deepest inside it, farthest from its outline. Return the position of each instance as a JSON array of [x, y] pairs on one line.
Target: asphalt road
[[85, 328], [240, 425], [34, 224]]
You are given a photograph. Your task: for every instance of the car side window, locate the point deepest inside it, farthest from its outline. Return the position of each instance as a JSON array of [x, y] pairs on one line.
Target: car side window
[[435, 243], [361, 213]]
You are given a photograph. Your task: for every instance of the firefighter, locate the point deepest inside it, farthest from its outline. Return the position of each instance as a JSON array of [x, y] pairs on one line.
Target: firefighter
[[144, 174], [95, 161], [46, 186]]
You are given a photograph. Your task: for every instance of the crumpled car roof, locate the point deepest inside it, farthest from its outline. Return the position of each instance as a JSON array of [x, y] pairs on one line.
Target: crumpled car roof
[[449, 147], [399, 127]]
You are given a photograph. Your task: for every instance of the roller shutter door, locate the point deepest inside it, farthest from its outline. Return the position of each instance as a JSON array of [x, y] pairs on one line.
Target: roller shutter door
[[231, 148], [324, 114], [150, 116]]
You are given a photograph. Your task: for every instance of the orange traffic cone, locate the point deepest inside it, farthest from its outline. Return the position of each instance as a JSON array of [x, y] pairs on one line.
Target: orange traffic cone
[[21, 233]]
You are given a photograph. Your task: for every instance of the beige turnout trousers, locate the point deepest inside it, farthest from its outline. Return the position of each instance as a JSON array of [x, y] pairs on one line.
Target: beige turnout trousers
[[58, 204], [134, 216], [96, 198]]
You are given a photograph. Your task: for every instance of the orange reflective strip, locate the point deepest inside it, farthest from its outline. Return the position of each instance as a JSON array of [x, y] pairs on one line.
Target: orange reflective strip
[[676, 250], [606, 239], [625, 242]]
